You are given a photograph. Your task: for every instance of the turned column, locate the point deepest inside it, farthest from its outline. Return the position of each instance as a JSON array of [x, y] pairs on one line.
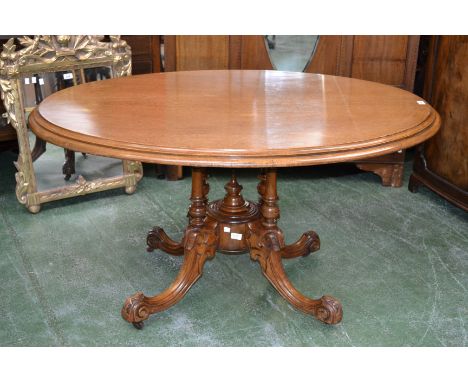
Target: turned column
[[233, 213], [198, 198], [269, 199]]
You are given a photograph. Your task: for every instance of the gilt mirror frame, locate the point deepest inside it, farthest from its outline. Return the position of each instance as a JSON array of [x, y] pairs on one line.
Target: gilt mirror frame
[[50, 53]]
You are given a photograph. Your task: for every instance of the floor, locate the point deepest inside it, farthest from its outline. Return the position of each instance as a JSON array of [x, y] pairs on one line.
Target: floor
[[397, 261]]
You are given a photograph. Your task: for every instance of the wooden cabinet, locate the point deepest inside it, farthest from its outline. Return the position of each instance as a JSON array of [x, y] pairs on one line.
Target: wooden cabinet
[[196, 52], [387, 59], [146, 53], [441, 164]]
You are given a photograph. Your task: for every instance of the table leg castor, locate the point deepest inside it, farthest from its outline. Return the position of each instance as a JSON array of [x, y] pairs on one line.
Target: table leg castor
[[139, 325]]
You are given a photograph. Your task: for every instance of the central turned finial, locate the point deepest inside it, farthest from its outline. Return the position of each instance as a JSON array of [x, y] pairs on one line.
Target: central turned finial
[[233, 200]]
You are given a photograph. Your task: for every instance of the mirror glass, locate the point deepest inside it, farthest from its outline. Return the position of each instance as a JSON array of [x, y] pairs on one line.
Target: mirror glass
[[97, 74], [35, 87], [38, 86], [291, 53]]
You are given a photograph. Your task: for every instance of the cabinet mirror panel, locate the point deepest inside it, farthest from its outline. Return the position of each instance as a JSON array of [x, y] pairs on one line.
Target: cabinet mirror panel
[[291, 53]]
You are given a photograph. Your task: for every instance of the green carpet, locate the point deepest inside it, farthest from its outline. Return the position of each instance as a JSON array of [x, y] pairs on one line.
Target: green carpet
[[397, 261]]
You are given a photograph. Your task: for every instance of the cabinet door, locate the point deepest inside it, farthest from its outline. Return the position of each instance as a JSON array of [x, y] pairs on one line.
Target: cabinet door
[[387, 59], [146, 53], [196, 52]]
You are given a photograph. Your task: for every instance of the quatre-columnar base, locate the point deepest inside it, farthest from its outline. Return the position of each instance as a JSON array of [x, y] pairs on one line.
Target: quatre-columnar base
[[232, 225]]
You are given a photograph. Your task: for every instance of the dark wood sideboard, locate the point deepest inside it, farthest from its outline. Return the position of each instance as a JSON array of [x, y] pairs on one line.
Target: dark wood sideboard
[[441, 163]]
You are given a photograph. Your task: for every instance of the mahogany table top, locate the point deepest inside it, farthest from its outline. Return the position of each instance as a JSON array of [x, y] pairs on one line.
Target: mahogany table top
[[235, 118]]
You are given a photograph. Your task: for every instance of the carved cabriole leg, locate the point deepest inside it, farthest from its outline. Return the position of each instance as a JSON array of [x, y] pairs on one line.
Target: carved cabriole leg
[[266, 245], [158, 239], [309, 242], [266, 249], [199, 244]]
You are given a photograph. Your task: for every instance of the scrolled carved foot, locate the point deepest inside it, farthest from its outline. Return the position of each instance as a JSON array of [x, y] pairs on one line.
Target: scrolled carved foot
[[158, 239], [308, 243], [265, 247], [134, 309], [200, 247], [329, 310]]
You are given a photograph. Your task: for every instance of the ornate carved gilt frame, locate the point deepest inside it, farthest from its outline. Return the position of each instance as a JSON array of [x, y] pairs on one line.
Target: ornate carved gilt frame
[[47, 53]]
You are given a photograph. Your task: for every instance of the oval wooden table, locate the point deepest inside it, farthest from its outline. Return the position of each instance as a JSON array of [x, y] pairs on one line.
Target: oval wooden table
[[263, 119]]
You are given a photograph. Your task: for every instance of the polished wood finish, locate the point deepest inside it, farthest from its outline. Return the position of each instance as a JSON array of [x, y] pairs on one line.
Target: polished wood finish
[[387, 59], [390, 60], [147, 58], [261, 118], [442, 163]]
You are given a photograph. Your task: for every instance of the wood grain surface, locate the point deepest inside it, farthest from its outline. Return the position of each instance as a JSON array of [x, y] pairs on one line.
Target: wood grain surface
[[235, 118]]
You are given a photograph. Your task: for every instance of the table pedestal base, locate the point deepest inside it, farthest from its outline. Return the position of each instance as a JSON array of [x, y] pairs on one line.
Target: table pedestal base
[[232, 225]]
